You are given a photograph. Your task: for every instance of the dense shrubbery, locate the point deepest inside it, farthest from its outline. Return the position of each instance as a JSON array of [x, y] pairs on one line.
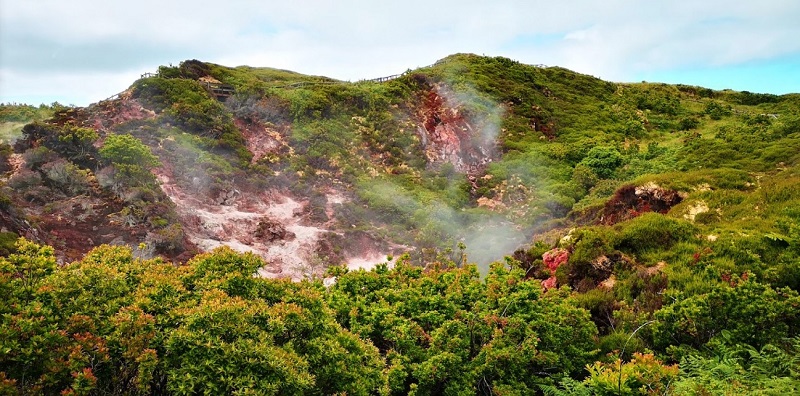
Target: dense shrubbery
[[187, 104], [653, 231], [751, 313], [114, 324], [73, 143]]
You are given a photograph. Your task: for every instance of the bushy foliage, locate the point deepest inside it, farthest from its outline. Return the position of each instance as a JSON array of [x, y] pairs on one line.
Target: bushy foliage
[[603, 161], [68, 177], [13, 117], [643, 375], [131, 159], [750, 312], [26, 113], [113, 324], [187, 103], [75, 144], [741, 369], [453, 333], [717, 111], [653, 231]]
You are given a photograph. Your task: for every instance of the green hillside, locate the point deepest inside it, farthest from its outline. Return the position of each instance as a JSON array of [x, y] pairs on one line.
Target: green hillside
[[14, 116], [548, 233]]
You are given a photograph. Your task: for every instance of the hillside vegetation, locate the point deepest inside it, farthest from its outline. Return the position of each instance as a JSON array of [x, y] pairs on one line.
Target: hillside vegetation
[[547, 232], [14, 116]]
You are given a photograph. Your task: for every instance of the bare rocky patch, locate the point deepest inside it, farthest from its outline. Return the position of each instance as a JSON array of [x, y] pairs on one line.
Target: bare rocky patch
[[631, 201], [106, 115], [450, 134], [273, 224], [265, 141]]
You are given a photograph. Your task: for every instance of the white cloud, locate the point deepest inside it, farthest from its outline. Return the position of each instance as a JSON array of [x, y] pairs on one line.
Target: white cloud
[[351, 39], [65, 88]]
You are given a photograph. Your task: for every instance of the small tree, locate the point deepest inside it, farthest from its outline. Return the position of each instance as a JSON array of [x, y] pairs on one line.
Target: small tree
[[77, 144], [603, 161], [73, 143], [132, 160]]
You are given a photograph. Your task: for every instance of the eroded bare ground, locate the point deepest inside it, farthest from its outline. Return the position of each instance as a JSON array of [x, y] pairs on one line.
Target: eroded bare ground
[[278, 226], [631, 201], [265, 142], [104, 116], [72, 224], [272, 224], [449, 134]]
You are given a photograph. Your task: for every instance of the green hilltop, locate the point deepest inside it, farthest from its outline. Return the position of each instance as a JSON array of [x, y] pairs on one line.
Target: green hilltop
[[549, 233]]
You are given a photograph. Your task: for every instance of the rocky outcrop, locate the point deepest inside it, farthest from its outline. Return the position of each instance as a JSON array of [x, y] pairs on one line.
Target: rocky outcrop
[[266, 141], [631, 201], [269, 230], [227, 197], [450, 134], [107, 114]]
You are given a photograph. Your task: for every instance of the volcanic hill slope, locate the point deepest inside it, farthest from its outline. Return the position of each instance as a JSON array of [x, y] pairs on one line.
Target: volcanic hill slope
[[646, 200], [304, 170]]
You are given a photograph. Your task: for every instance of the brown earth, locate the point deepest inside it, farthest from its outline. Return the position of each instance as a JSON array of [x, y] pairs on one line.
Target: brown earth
[[107, 114], [631, 201], [264, 141]]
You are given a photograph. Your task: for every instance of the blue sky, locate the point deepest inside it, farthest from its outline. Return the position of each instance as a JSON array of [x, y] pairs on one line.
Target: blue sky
[[779, 75], [82, 51]]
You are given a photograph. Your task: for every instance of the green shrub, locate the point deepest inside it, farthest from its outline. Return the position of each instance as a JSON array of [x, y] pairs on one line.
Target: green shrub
[[659, 100], [67, 177], [131, 161], [688, 123], [603, 161], [788, 126], [653, 231], [643, 375], [5, 201], [717, 110], [8, 241], [601, 304], [25, 180], [750, 312], [187, 104], [588, 244], [752, 99], [584, 176]]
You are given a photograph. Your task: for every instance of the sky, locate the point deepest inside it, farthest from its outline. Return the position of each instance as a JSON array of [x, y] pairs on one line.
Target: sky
[[83, 51]]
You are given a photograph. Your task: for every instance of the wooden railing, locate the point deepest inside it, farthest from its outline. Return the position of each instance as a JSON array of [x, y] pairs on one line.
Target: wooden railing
[[384, 79], [220, 90], [112, 97]]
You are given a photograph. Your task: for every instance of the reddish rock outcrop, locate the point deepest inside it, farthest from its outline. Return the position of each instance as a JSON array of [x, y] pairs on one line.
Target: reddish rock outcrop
[[269, 230], [631, 201], [552, 260], [108, 114], [264, 141], [449, 134]]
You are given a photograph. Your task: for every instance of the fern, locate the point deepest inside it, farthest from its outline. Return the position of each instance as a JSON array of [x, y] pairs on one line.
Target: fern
[[567, 387], [742, 369]]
